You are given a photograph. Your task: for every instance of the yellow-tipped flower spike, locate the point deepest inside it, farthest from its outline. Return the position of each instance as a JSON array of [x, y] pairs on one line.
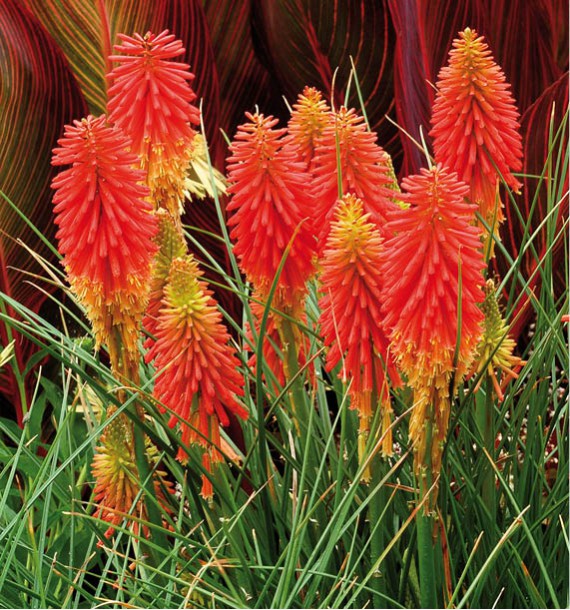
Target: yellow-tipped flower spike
[[117, 481], [308, 119], [351, 319], [476, 124], [198, 376], [347, 150], [270, 208], [495, 351], [393, 186], [151, 101], [432, 277], [171, 244]]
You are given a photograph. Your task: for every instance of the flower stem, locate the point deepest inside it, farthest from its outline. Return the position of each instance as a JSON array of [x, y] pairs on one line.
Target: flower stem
[[291, 365], [378, 543], [429, 544], [484, 417], [426, 553], [146, 480]]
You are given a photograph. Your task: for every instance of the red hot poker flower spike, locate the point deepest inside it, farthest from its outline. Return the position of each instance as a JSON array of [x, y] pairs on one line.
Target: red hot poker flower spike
[[117, 478], [351, 320], [435, 252], [475, 122], [150, 99], [364, 167], [197, 371], [271, 205], [105, 230]]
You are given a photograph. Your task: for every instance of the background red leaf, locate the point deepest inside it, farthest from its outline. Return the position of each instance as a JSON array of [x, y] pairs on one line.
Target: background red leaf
[[38, 96], [523, 37], [552, 105], [244, 82], [304, 41]]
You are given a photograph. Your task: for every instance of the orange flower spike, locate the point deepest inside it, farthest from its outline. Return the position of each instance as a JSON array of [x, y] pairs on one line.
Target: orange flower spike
[[308, 119], [351, 320], [271, 203], [105, 231], [434, 247], [364, 168], [117, 482], [476, 123], [198, 379], [434, 241], [151, 100]]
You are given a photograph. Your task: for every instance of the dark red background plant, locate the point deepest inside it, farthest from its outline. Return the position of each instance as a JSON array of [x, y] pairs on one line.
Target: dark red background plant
[[247, 52]]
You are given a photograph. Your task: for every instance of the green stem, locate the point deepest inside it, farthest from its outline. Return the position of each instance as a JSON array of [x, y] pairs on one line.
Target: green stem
[[378, 542], [428, 545], [146, 479], [484, 407], [484, 417], [489, 489], [297, 394], [301, 415], [426, 553]]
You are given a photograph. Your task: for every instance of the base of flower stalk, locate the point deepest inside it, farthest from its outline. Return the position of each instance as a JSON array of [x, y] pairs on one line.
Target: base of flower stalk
[[429, 543], [428, 548], [484, 410], [147, 485], [292, 375]]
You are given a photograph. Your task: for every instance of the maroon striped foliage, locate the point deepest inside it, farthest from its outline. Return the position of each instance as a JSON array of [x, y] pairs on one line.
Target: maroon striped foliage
[[38, 95]]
